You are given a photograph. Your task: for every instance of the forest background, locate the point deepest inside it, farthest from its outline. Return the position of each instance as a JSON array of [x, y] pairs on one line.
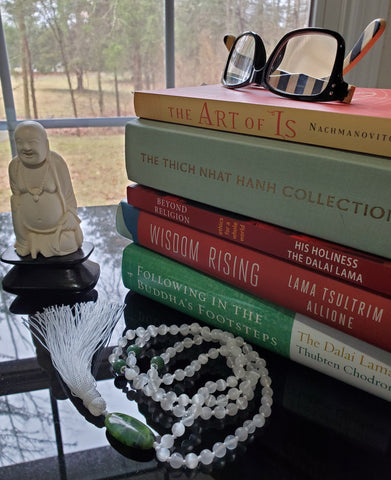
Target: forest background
[[85, 58]]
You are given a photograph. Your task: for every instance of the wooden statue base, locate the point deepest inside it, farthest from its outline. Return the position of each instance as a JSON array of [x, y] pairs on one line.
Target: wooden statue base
[[68, 274]]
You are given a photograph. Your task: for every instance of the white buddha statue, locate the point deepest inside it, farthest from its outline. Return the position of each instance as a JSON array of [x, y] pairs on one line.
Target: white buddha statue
[[43, 204]]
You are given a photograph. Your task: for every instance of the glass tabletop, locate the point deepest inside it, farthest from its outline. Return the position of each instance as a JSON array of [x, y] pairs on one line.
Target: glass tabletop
[[319, 428]]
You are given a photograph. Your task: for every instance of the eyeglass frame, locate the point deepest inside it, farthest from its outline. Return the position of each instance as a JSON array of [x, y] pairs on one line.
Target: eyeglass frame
[[336, 89]]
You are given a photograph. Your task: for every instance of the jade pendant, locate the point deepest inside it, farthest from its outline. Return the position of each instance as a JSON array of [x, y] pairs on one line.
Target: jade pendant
[[129, 431]]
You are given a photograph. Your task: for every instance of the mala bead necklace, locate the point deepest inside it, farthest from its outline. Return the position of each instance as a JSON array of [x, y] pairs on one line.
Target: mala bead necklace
[[248, 369], [72, 335]]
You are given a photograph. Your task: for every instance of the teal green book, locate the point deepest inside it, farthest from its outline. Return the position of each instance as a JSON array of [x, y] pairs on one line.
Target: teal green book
[[343, 197], [263, 323]]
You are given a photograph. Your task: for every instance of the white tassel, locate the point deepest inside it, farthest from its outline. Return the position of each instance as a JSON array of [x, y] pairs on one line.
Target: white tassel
[[72, 335]]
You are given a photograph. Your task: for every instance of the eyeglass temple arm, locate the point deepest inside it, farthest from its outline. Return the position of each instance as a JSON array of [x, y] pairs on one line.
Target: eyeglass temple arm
[[367, 40]]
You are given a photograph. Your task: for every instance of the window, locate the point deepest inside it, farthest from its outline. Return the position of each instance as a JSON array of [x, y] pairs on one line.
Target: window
[[84, 59], [200, 54]]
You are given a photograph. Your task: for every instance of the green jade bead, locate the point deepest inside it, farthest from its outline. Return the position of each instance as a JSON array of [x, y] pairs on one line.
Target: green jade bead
[[129, 431], [135, 349], [157, 362], [119, 366]]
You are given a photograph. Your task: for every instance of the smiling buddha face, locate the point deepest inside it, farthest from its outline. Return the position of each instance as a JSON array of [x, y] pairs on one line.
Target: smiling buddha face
[[31, 143]]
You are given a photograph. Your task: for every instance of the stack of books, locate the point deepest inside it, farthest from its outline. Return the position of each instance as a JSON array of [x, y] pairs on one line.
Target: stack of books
[[269, 218]]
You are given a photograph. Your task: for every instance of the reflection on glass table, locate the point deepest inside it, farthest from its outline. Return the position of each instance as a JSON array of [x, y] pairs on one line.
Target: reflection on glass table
[[319, 428]]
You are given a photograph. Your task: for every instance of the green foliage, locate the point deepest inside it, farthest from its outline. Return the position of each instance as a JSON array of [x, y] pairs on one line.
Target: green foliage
[[117, 36], [114, 56], [108, 35]]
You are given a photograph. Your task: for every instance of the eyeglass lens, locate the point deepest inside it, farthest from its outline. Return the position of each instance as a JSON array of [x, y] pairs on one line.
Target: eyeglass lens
[[241, 62], [303, 64]]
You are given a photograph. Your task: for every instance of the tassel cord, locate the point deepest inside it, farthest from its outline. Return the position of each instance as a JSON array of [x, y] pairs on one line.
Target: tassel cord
[[72, 335]]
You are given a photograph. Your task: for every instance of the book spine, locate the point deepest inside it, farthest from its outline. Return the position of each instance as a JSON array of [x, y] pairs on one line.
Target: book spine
[[357, 133], [337, 196], [353, 310], [270, 326], [364, 270]]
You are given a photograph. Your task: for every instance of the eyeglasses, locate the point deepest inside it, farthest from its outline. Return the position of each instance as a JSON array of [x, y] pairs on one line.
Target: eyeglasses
[[307, 64]]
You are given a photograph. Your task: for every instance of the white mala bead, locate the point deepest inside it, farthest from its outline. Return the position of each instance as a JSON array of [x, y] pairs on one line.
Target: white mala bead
[[215, 399]]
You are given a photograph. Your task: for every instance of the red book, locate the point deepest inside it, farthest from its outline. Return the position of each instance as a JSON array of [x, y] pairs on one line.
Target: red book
[[356, 311], [355, 267]]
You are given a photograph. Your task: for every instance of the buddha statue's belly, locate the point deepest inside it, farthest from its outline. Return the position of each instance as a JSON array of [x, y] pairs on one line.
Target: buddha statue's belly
[[43, 214]]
